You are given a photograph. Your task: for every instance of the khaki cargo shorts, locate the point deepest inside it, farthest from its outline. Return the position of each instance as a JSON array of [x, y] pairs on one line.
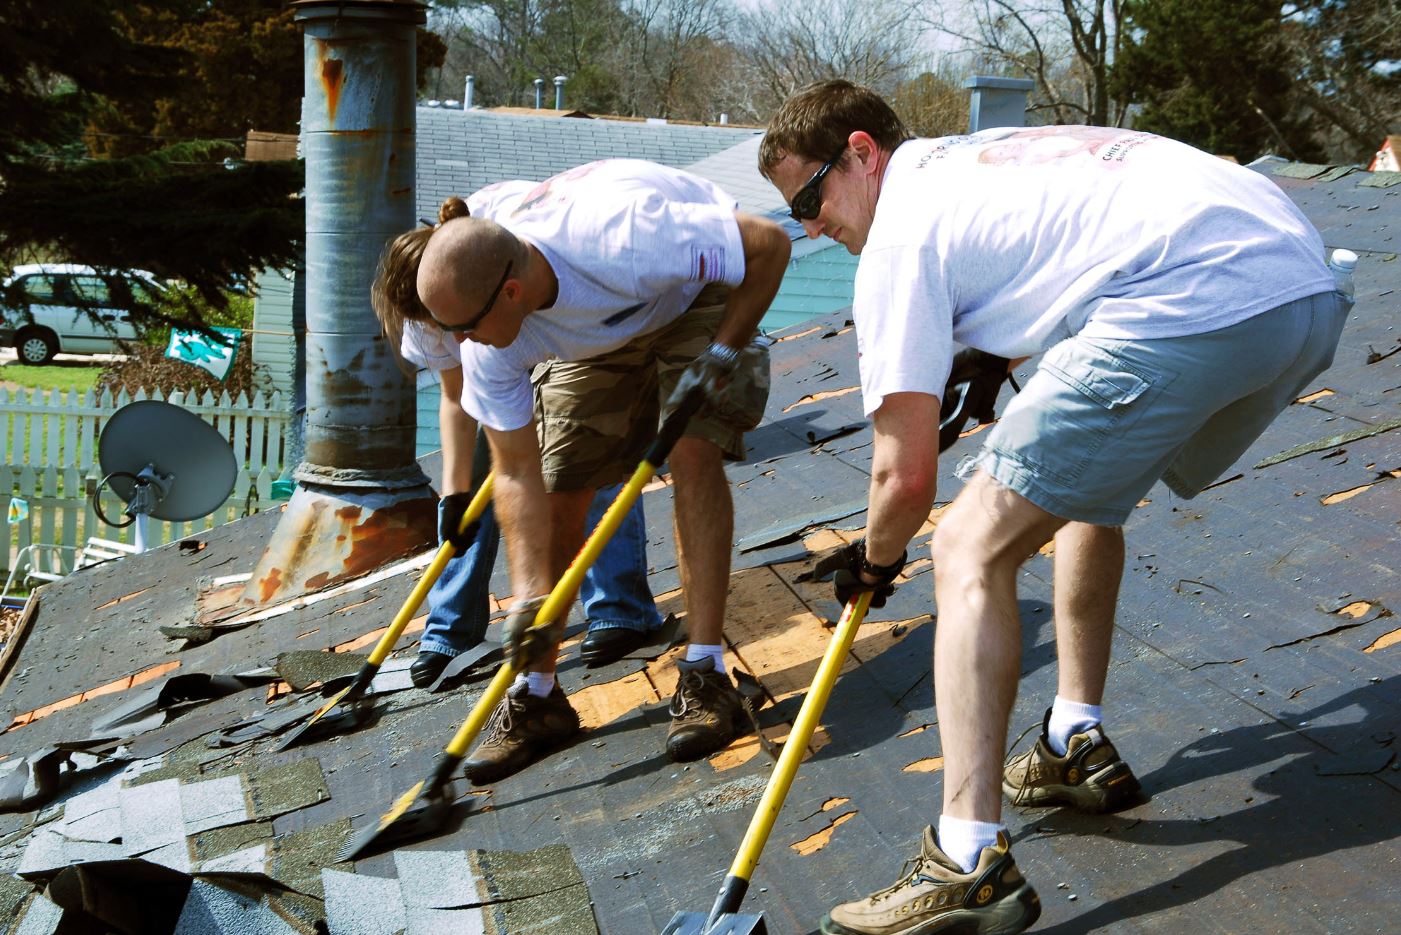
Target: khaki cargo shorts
[[596, 417]]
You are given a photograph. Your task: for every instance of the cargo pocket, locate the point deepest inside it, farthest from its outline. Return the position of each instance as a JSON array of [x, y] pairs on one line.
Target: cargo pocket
[[1057, 429], [1099, 375]]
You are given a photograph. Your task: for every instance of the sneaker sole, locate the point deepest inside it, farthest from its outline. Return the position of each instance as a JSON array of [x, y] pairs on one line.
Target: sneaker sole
[[1016, 912], [1106, 791]]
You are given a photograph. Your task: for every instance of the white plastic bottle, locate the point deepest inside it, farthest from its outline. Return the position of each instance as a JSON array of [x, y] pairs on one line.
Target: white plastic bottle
[[1342, 264]]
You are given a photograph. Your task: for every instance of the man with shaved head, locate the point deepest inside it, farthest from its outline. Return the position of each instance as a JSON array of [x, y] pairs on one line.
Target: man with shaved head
[[632, 283]]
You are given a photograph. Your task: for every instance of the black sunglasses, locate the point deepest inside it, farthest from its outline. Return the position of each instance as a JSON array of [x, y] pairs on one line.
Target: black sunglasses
[[476, 319], [807, 203]]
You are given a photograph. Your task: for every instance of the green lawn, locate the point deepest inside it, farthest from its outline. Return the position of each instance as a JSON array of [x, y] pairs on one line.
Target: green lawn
[[55, 375]]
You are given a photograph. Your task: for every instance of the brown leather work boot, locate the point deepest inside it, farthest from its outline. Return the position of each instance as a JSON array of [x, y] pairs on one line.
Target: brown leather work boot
[[1090, 777], [521, 730], [935, 895], [704, 711]]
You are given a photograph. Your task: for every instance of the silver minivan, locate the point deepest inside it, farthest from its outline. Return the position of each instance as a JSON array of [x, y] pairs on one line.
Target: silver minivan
[[71, 309]]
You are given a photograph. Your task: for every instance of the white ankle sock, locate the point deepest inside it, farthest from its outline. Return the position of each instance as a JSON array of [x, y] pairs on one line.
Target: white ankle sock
[[1067, 719], [695, 652], [963, 840], [539, 684]]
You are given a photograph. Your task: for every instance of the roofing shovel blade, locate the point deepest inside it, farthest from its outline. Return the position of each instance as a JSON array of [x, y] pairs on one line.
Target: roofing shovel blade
[[401, 822], [695, 923], [724, 916], [407, 820], [361, 683]]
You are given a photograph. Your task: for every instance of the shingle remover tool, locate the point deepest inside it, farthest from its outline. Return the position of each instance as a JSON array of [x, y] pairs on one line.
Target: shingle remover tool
[[361, 683], [724, 917], [403, 822]]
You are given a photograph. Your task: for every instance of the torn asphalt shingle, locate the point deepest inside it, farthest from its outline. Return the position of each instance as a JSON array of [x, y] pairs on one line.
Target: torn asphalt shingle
[[41, 917], [304, 668], [48, 852], [423, 921], [362, 905], [213, 803], [151, 817], [280, 789], [437, 879], [213, 910], [208, 846], [95, 815], [298, 858]]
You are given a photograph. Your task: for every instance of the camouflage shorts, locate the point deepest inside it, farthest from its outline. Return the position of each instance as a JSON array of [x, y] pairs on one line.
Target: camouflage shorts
[[596, 417]]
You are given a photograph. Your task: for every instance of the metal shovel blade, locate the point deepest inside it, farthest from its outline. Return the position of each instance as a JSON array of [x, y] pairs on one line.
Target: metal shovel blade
[[346, 696], [403, 822], [730, 923]]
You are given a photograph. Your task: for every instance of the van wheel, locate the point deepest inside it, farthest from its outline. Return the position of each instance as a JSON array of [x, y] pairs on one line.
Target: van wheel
[[36, 345]]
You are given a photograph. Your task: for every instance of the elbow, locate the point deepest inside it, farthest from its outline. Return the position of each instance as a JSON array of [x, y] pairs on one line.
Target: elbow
[[913, 489]]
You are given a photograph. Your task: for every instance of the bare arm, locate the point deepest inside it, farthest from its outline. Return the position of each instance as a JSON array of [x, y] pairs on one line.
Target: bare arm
[[766, 250], [904, 473], [459, 433], [523, 509]]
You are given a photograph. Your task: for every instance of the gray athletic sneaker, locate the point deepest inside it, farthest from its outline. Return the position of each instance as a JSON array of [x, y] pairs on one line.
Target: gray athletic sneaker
[[935, 895], [1090, 777]]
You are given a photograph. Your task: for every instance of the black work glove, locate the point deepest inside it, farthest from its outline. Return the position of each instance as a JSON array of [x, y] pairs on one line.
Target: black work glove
[[847, 582], [971, 392], [711, 371], [450, 511], [522, 641]]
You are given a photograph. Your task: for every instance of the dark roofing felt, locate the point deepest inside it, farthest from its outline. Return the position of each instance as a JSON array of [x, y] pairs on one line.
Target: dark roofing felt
[[1255, 689]]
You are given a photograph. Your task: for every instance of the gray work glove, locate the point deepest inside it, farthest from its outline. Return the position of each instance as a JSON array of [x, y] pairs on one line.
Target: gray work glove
[[523, 642], [711, 372]]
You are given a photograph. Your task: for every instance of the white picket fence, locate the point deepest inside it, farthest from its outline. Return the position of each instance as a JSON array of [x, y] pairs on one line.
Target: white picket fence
[[48, 458]]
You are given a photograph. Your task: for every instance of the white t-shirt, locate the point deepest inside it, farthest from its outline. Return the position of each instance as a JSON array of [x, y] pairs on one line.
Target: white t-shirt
[[424, 344], [632, 244], [1010, 240]]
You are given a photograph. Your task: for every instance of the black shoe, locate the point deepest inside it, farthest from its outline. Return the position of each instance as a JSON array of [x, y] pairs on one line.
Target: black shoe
[[427, 667], [610, 644]]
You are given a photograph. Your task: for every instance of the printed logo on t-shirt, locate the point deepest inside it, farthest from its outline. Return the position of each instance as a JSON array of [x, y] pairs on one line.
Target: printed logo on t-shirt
[[707, 263], [1040, 145]]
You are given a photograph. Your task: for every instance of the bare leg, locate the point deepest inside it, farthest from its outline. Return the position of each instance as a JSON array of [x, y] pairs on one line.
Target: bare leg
[[705, 524], [979, 544], [1089, 564], [568, 511]]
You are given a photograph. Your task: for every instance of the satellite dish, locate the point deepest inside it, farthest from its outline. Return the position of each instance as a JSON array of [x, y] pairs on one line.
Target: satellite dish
[[164, 461]]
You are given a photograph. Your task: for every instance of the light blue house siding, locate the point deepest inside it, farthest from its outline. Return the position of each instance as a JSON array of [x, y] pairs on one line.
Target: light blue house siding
[[816, 284]]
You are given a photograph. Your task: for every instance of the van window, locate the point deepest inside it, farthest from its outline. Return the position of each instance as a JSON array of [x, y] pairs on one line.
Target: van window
[[90, 291], [39, 289]]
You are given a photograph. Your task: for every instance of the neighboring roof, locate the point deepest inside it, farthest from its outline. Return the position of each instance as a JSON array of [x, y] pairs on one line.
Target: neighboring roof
[[1255, 689], [461, 151]]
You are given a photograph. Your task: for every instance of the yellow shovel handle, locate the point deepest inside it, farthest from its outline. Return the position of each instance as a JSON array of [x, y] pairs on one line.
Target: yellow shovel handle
[[474, 512], [553, 607], [569, 582], [797, 743]]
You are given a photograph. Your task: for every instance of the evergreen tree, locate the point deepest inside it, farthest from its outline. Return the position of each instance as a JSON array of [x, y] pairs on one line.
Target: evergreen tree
[[182, 209], [1208, 72]]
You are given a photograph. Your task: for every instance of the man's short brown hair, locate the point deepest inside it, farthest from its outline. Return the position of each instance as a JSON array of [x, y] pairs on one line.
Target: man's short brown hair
[[815, 122]]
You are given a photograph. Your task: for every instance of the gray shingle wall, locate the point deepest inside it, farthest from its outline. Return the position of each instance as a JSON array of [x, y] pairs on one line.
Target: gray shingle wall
[[461, 151]]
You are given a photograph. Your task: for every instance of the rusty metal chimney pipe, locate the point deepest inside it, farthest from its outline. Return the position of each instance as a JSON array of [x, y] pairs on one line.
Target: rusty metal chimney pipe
[[362, 500]]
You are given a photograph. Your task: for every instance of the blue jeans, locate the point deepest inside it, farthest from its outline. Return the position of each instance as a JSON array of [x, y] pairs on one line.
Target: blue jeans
[[614, 593]]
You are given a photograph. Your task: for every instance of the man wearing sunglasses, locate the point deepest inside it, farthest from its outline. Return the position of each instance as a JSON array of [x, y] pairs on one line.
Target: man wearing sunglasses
[[1181, 302], [631, 283]]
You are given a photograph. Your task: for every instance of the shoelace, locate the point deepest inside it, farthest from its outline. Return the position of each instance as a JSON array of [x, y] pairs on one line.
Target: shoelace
[[908, 871], [501, 723], [690, 681]]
